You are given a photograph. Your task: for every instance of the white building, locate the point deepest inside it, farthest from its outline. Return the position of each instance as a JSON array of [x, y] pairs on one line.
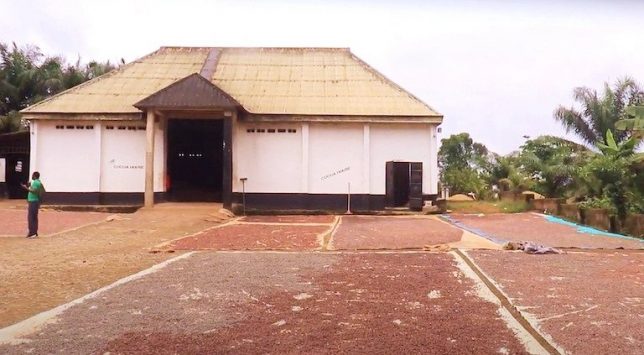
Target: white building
[[295, 128]]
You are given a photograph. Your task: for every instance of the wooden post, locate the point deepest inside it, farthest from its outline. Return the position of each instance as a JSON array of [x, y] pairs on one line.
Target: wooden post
[[149, 160]]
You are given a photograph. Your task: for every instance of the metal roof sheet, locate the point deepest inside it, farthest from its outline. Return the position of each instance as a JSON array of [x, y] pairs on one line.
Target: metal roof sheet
[[192, 92], [297, 81]]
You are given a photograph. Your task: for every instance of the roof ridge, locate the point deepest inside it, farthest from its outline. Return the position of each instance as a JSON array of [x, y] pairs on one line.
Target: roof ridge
[[91, 81], [386, 80]]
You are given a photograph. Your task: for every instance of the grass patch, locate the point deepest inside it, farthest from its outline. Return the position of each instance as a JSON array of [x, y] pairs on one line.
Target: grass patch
[[486, 207]]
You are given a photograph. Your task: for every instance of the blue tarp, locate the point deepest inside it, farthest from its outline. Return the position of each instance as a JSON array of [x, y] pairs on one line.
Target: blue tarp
[[587, 229]]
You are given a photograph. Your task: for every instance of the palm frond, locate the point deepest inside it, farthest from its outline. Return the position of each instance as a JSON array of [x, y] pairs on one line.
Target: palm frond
[[572, 120]]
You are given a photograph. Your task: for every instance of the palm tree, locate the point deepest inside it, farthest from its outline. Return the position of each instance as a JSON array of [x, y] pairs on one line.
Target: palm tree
[[599, 114], [552, 163]]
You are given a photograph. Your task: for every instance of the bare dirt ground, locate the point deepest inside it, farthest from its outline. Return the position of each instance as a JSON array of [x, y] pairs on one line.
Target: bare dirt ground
[[534, 227], [589, 302], [286, 303], [44, 272], [13, 222]]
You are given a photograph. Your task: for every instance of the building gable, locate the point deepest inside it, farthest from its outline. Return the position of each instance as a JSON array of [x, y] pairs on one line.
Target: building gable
[[193, 92]]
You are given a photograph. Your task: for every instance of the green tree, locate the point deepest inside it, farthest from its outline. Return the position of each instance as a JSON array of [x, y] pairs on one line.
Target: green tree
[[552, 163], [634, 121], [27, 76], [506, 173], [464, 164], [599, 114], [613, 176]]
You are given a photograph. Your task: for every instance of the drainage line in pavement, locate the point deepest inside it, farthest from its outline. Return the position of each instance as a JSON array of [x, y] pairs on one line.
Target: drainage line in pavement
[[516, 314], [327, 243]]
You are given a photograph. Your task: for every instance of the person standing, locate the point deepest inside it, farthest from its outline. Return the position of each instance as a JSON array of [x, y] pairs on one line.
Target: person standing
[[34, 196]]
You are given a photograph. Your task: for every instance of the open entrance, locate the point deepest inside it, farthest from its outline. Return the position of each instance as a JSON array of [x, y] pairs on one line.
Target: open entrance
[[404, 185], [16, 174], [195, 159]]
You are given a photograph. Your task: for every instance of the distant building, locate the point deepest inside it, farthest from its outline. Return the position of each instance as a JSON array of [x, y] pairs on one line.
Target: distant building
[[292, 127]]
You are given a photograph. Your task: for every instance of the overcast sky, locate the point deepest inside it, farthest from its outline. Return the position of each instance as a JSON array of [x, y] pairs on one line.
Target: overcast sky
[[495, 69]]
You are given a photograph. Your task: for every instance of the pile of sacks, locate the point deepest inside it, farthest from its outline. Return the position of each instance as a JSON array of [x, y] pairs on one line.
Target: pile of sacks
[[530, 248]]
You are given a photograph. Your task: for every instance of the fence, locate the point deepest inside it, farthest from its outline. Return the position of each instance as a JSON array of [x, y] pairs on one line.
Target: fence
[[594, 217]]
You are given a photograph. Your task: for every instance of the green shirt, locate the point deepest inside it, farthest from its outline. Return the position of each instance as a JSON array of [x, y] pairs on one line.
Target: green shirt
[[36, 186]]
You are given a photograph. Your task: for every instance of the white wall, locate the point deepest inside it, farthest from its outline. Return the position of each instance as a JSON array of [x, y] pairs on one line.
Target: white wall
[[67, 159], [93, 160], [272, 162], [322, 158], [335, 158], [317, 158], [401, 142], [123, 158]]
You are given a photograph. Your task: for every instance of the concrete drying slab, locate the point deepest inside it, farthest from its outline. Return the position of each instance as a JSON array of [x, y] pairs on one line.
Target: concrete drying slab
[[537, 228], [588, 302], [308, 219], [251, 302], [13, 222], [240, 236], [379, 232]]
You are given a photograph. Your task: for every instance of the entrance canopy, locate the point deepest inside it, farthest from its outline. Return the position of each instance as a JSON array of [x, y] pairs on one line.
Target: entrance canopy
[[192, 97], [193, 92]]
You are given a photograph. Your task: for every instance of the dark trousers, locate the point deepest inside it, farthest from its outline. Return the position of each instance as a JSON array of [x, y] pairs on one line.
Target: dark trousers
[[32, 217]]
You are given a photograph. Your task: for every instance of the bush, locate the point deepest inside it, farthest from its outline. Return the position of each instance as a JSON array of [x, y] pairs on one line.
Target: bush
[[602, 203]]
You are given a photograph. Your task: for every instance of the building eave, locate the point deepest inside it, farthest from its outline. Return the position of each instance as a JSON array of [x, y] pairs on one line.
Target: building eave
[[248, 117], [89, 116]]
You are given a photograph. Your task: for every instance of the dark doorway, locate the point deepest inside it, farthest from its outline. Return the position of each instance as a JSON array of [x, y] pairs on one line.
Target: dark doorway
[[17, 173], [404, 185], [195, 159]]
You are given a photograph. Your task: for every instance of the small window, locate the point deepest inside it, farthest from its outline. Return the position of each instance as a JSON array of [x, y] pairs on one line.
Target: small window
[[261, 130], [281, 130], [89, 127], [291, 130], [60, 127], [271, 130], [250, 130], [69, 127], [122, 128], [141, 128], [131, 128], [80, 127], [109, 127]]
